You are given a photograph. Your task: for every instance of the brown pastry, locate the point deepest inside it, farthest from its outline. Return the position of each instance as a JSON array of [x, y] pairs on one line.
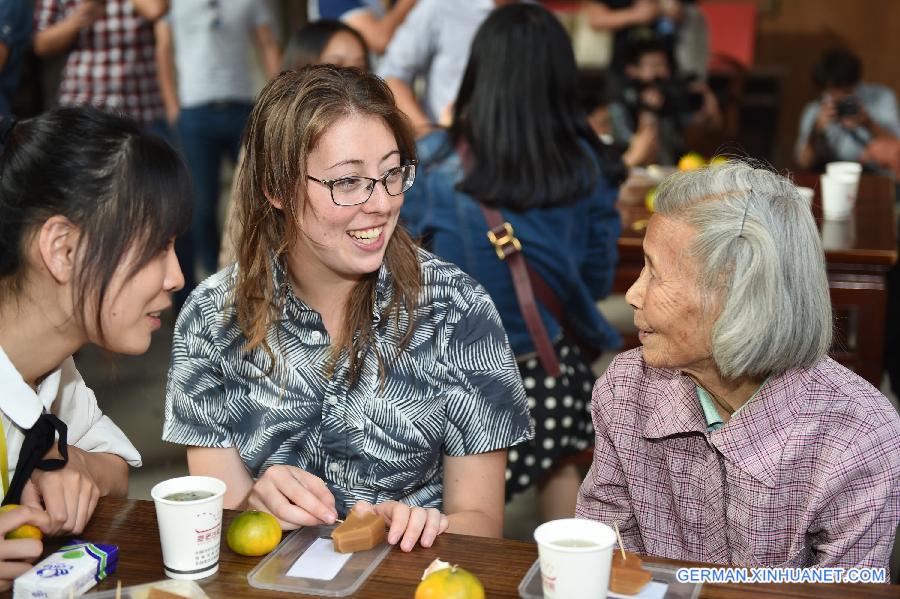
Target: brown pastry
[[626, 576], [359, 532]]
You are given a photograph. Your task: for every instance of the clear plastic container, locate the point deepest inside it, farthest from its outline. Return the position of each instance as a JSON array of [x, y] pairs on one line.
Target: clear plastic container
[[530, 587], [271, 573], [185, 588]]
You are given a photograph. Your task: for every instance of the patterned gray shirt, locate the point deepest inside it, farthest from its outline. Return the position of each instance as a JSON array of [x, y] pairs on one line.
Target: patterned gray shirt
[[456, 389]]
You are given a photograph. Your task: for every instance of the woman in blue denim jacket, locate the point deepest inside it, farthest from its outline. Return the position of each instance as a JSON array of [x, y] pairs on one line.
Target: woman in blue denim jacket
[[520, 143]]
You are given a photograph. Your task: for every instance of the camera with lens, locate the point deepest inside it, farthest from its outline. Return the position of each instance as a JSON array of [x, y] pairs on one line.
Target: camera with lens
[[847, 106], [678, 97]]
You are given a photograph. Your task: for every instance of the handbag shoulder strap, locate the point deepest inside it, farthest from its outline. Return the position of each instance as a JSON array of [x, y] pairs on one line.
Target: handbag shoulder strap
[[509, 249]]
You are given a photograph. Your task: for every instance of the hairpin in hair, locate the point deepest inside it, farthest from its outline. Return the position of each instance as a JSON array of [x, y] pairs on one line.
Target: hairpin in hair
[[746, 208]]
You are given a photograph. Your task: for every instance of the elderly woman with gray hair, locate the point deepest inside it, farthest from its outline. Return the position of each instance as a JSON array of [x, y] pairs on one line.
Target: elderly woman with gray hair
[[730, 437]]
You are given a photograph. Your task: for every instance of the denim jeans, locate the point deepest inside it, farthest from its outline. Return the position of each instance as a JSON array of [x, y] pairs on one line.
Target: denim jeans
[[206, 134]]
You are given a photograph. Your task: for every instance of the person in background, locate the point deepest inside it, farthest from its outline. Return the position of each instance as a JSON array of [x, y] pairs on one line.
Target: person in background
[[370, 18], [337, 365], [15, 34], [320, 42], [432, 43], [678, 23], [656, 105], [203, 49], [851, 120], [730, 437], [326, 42], [111, 60], [67, 179], [520, 143]]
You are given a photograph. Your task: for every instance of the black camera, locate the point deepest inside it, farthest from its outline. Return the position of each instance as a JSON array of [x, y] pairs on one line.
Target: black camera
[[847, 106], [678, 97]]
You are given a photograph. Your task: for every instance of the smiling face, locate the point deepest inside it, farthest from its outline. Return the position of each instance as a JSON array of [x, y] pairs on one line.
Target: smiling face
[[674, 328], [347, 242], [131, 308]]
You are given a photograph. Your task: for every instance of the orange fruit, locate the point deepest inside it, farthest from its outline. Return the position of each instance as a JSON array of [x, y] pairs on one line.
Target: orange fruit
[[26, 531], [691, 161], [717, 160], [650, 200], [253, 533], [450, 583]]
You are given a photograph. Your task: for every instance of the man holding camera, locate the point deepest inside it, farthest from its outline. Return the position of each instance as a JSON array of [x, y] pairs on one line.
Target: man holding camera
[[851, 120], [655, 106]]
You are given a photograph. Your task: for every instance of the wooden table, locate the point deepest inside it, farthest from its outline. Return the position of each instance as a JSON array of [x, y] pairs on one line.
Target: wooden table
[[859, 252], [499, 563]]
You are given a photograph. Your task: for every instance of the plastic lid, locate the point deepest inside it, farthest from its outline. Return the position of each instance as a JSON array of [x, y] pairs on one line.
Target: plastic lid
[[273, 572]]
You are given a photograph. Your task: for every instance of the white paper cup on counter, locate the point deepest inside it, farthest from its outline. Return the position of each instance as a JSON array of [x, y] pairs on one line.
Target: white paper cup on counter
[[838, 196], [576, 556], [189, 516], [846, 170], [807, 193]]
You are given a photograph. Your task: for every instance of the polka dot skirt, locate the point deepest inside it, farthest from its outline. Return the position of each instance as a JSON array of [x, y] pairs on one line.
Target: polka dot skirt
[[561, 408]]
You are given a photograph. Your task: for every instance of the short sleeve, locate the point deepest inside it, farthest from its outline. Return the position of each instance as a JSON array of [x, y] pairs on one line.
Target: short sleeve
[[46, 13], [261, 14], [885, 112], [411, 48], [87, 427], [195, 412], [337, 9], [485, 401]]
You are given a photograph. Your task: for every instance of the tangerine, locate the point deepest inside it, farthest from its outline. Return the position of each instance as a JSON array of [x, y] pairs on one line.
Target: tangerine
[[691, 161], [450, 583], [26, 531], [253, 533]]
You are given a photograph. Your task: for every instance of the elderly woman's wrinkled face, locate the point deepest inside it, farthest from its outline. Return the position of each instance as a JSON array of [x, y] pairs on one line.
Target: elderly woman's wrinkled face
[[669, 313]]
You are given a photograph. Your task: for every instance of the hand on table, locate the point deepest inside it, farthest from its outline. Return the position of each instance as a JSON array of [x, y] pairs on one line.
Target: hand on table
[[408, 524], [17, 555], [68, 495], [294, 496]]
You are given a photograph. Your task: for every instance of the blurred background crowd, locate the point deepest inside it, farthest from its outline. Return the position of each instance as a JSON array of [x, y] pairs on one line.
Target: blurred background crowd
[[794, 83]]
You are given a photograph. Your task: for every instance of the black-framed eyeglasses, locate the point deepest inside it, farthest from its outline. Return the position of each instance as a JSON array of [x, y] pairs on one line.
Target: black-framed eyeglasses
[[352, 191]]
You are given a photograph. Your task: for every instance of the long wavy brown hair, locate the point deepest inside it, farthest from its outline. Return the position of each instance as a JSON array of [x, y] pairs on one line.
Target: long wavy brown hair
[[292, 113]]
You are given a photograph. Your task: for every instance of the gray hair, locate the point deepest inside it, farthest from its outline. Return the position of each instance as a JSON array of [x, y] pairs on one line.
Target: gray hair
[[760, 258]]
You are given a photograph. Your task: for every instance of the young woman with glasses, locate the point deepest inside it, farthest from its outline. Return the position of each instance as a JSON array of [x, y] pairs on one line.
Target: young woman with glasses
[[520, 143], [336, 364]]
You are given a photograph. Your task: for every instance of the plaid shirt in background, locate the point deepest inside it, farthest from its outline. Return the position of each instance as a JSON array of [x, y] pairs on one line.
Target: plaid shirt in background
[[807, 473], [112, 64]]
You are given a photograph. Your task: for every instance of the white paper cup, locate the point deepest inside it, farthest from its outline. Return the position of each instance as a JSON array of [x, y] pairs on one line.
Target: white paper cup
[[807, 193], [575, 572], [190, 532], [846, 170], [838, 196]]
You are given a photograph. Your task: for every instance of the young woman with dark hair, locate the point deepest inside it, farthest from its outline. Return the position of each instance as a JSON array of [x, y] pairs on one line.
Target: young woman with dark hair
[[326, 42], [520, 143], [337, 365], [89, 209]]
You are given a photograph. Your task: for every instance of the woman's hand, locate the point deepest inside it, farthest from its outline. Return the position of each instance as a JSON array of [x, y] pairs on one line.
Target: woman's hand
[[294, 496], [69, 495], [407, 524], [17, 555]]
